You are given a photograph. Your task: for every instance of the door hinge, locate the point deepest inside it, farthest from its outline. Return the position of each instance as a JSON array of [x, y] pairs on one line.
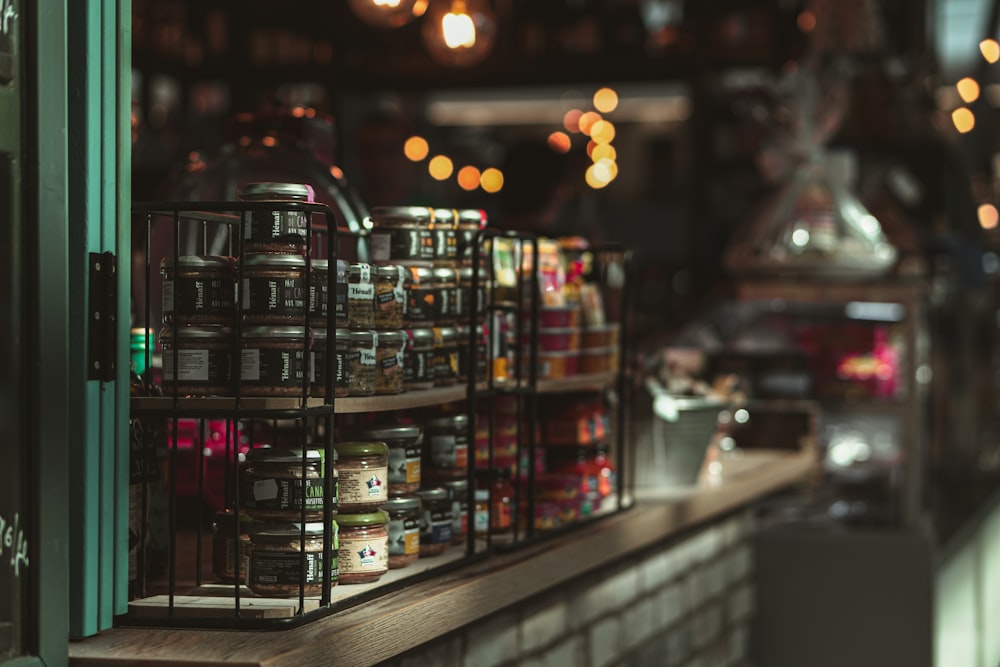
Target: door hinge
[[102, 327]]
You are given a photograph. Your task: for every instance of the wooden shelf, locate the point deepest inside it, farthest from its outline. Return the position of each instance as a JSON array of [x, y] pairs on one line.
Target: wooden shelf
[[411, 399], [577, 383]]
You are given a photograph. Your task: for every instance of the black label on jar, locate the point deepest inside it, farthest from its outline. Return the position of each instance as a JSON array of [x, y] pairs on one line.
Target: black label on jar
[[389, 362], [279, 568], [419, 305], [273, 368], [340, 308], [346, 361], [283, 494], [401, 244], [419, 366], [274, 296], [445, 243], [188, 298], [318, 301], [210, 368], [446, 363], [385, 298], [339, 367], [435, 527], [398, 531], [444, 303], [288, 226]]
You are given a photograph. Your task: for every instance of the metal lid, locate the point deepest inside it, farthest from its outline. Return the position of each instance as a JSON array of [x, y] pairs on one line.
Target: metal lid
[[420, 271], [444, 216], [465, 274], [275, 455], [283, 332], [451, 421], [421, 337], [433, 495], [471, 216], [279, 191], [321, 265], [360, 269], [196, 333], [394, 271], [389, 433], [400, 214], [445, 274], [285, 530], [198, 262], [448, 334], [267, 260], [392, 337], [357, 448], [457, 486], [366, 519], [361, 338], [403, 503]]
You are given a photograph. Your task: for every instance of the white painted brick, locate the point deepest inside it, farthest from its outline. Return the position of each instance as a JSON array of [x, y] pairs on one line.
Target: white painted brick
[[738, 644], [638, 624], [658, 570], [610, 595], [683, 556], [740, 604], [492, 642], [439, 652], [706, 544], [543, 626], [568, 652], [706, 626], [678, 644], [715, 578], [672, 604], [698, 586], [605, 641], [730, 530], [742, 563]]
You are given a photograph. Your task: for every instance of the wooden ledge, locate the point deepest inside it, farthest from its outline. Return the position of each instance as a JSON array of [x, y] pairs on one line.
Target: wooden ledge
[[395, 623]]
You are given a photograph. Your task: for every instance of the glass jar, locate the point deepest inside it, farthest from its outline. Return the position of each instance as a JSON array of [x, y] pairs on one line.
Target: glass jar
[[275, 555], [273, 289], [469, 356], [405, 443], [445, 294], [204, 359], [389, 346], [335, 362], [362, 476], [470, 221], [418, 307], [389, 296], [201, 291], [400, 233], [404, 530], [229, 546], [458, 491], [445, 356], [418, 366], [319, 299], [435, 522], [465, 301], [444, 235], [274, 488], [360, 297], [359, 361], [280, 229], [363, 553], [273, 361], [447, 447], [494, 506]]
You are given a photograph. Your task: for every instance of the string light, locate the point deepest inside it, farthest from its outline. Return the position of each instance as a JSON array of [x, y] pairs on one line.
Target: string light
[[468, 178], [968, 90], [606, 100], [988, 216], [990, 50], [963, 119], [440, 167], [492, 180], [416, 148]]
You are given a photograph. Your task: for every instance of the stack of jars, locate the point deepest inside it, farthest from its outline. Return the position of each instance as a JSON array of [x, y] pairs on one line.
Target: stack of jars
[[363, 493]]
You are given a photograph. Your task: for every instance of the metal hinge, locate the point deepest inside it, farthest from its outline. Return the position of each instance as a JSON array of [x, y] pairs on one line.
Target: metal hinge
[[102, 317]]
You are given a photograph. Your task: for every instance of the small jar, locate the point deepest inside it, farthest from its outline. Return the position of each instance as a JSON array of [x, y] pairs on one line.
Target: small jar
[[362, 476], [274, 488], [474, 356], [273, 289], [447, 447], [435, 522], [201, 291], [458, 491], [332, 362], [360, 361], [418, 283], [404, 530], [445, 356], [204, 359], [273, 361], [389, 347], [445, 294], [470, 221], [360, 296], [494, 493], [229, 546], [275, 555], [278, 229], [389, 296], [363, 552], [418, 358], [400, 233], [405, 443], [444, 235], [319, 298], [465, 300]]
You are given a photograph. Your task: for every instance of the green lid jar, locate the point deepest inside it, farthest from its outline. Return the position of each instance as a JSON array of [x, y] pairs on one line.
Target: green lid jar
[[363, 476], [363, 554]]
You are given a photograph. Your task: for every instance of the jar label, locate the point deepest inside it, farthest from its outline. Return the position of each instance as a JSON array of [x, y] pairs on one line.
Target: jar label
[[345, 360], [277, 368], [383, 299], [283, 494], [435, 526], [444, 303], [403, 244], [459, 517], [275, 225], [404, 465], [420, 305], [340, 308], [461, 301], [274, 296], [445, 243], [404, 537], [199, 296], [449, 451], [362, 485], [379, 247], [318, 301], [419, 366], [168, 296], [202, 366], [361, 292], [368, 357], [271, 568], [369, 554], [446, 363]]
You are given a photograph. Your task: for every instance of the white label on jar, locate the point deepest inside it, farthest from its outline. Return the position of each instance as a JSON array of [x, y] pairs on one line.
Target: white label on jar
[[361, 291], [247, 229], [400, 357], [250, 365], [458, 301], [362, 485], [168, 295], [368, 357], [244, 294], [399, 291], [366, 273], [379, 247], [444, 294], [192, 365], [363, 555], [265, 489]]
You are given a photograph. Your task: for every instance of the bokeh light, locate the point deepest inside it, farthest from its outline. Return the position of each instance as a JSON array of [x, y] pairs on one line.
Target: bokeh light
[[587, 120], [968, 90], [990, 50], [963, 119], [416, 148], [468, 178], [559, 142], [606, 100], [440, 167], [988, 216], [602, 132], [592, 178], [571, 120], [492, 180], [603, 151]]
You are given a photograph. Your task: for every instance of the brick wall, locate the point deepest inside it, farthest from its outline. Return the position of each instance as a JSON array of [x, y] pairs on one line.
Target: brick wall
[[687, 604]]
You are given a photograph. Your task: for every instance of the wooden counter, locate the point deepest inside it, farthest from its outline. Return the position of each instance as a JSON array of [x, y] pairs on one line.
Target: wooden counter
[[428, 609]]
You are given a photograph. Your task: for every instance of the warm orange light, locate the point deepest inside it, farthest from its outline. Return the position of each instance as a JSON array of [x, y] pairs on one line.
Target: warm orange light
[[587, 120], [605, 170], [310, 113], [440, 167], [468, 178], [492, 180], [593, 178], [602, 132], [807, 21], [968, 90], [990, 50], [336, 172], [298, 112], [458, 28], [416, 148], [606, 100], [269, 141], [571, 121], [603, 152], [963, 119], [988, 216], [559, 142], [591, 147]]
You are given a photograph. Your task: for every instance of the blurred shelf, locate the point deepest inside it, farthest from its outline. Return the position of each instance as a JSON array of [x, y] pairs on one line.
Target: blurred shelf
[[411, 399], [577, 383]]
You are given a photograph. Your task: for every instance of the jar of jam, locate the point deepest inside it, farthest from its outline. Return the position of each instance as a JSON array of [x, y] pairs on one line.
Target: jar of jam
[[435, 523], [445, 356], [360, 296], [474, 356], [277, 229], [445, 294], [204, 360], [458, 491], [494, 496], [362, 476], [202, 290], [470, 221], [274, 488], [274, 361], [360, 362], [418, 359], [389, 347], [273, 289], [418, 283], [465, 300], [319, 299], [400, 233], [333, 362], [444, 235], [275, 555], [229, 546], [447, 447], [404, 530], [363, 553], [389, 296], [405, 443]]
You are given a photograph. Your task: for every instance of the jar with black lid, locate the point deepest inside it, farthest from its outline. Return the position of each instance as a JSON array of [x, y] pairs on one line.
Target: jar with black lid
[[400, 233], [335, 361], [273, 289], [470, 221], [446, 444], [445, 356], [418, 368], [229, 546], [363, 551], [360, 362], [275, 555], [319, 299], [202, 290], [389, 348], [204, 358], [362, 476], [419, 301], [361, 296], [445, 281], [274, 361], [404, 530], [435, 524], [277, 229], [405, 443], [443, 232], [458, 491], [274, 488], [390, 293]]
